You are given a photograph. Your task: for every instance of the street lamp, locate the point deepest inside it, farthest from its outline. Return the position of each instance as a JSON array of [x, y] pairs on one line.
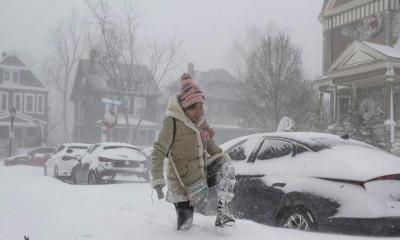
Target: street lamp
[[12, 117]]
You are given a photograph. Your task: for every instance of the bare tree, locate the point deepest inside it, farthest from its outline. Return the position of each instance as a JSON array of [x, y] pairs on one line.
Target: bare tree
[[122, 51], [67, 47], [274, 85]]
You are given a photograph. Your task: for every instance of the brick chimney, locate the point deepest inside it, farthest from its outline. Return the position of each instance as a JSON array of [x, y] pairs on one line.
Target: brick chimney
[[92, 60], [191, 70]]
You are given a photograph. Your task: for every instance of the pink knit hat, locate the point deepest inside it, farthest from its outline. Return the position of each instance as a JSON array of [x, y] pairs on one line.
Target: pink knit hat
[[189, 92]]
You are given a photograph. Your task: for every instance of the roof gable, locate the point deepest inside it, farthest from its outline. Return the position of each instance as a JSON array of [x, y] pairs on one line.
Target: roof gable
[[356, 54], [12, 60], [26, 76], [331, 7], [359, 58]]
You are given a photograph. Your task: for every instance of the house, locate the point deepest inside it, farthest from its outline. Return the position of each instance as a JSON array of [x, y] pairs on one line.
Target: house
[[92, 84], [361, 67], [22, 90], [221, 91]]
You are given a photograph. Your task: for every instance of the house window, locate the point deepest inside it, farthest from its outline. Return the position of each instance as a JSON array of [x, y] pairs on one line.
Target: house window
[[10, 76], [139, 103], [3, 101], [6, 76], [40, 104], [18, 101], [29, 103]]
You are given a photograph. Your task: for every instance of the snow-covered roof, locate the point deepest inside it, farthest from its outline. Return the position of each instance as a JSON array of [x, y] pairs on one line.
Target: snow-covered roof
[[386, 50]]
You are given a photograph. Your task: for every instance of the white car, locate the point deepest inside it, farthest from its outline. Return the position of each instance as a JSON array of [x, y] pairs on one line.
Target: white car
[[111, 161], [61, 163], [316, 182]]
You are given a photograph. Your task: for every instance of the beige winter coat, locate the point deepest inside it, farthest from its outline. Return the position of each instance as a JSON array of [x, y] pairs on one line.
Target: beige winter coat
[[186, 152]]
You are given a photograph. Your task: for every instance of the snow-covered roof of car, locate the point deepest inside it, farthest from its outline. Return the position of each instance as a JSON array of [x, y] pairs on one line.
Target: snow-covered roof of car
[[76, 144], [108, 144], [308, 138]]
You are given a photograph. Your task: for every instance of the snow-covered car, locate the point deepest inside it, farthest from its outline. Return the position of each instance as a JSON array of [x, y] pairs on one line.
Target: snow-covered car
[[33, 157], [316, 182], [61, 163], [111, 161]]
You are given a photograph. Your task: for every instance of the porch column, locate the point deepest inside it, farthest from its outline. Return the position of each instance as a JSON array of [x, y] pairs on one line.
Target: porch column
[[354, 106], [389, 77], [335, 117]]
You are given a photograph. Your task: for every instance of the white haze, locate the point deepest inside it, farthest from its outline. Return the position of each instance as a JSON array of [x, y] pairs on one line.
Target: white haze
[[207, 28]]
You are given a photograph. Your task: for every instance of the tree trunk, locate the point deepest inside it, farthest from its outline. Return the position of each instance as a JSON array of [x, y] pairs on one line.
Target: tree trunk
[[65, 117]]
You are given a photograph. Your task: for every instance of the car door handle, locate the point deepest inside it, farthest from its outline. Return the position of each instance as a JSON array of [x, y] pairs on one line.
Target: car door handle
[[278, 184]]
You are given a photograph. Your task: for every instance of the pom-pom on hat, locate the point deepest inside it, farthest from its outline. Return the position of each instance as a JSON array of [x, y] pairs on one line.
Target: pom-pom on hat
[[189, 93]]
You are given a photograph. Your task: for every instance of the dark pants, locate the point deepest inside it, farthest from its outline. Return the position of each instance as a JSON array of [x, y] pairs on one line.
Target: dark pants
[[184, 213]]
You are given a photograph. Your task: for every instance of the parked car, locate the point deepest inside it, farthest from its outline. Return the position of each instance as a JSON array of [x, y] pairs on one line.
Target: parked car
[[61, 163], [34, 157], [111, 161], [316, 182]]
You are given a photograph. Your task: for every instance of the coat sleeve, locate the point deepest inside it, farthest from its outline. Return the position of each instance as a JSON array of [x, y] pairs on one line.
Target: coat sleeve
[[213, 148], [160, 148]]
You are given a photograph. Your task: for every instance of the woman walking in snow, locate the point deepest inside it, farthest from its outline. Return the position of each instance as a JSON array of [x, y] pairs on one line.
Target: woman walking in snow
[[186, 140]]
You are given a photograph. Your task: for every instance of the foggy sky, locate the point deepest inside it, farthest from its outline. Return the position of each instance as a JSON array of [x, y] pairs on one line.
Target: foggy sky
[[206, 27]]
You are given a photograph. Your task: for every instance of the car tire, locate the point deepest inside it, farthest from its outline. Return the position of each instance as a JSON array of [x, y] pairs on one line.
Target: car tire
[[55, 173], [298, 218], [45, 171], [92, 179]]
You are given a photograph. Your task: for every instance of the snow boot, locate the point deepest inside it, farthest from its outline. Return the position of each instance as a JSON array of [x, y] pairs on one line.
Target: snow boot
[[184, 214], [224, 217]]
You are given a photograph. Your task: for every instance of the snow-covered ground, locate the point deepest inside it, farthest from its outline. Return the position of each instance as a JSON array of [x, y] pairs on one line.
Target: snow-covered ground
[[47, 209]]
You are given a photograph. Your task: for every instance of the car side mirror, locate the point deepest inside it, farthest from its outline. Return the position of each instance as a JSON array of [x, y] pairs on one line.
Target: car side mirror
[[78, 157]]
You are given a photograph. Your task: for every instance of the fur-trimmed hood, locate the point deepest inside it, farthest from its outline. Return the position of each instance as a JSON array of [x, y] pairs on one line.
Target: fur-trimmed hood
[[175, 110]]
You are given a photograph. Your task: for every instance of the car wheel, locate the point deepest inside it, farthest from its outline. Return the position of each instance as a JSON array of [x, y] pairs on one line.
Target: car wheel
[[92, 179], [56, 172], [298, 218], [45, 171]]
